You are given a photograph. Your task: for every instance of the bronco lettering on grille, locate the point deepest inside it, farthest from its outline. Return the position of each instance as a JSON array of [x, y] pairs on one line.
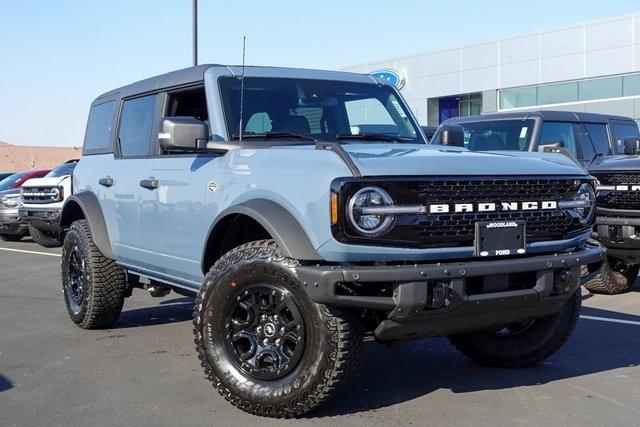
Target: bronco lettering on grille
[[492, 207]]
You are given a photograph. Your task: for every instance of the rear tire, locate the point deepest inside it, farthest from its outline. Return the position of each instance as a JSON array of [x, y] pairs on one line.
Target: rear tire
[[248, 294], [534, 342], [43, 238], [94, 286], [11, 237], [612, 280]]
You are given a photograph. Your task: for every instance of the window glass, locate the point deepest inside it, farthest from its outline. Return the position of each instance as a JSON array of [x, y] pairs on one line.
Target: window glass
[[258, 123], [610, 87], [190, 103], [321, 109], [62, 170], [518, 97], [564, 132], [631, 85], [514, 135], [135, 126], [557, 93], [597, 133], [97, 136], [623, 130], [9, 181]]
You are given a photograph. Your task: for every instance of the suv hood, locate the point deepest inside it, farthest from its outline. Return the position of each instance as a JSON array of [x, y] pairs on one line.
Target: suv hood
[[620, 163], [45, 182], [413, 159]]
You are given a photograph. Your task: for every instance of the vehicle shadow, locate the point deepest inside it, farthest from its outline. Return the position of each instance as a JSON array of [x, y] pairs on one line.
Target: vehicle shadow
[[386, 376], [5, 384], [167, 311]]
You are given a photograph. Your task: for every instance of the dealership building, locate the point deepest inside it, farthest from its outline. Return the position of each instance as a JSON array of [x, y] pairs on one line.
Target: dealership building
[[589, 67]]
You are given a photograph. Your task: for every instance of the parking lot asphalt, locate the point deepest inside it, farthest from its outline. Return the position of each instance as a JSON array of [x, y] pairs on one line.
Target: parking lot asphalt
[[144, 371]]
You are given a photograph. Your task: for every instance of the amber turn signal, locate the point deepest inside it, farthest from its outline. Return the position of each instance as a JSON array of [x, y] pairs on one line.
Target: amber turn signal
[[334, 208]]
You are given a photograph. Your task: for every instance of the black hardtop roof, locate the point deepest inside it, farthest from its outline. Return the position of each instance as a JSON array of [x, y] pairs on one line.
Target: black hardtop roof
[[553, 115]]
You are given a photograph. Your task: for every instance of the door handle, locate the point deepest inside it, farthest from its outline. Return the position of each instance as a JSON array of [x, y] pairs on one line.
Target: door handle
[[151, 184], [106, 182]]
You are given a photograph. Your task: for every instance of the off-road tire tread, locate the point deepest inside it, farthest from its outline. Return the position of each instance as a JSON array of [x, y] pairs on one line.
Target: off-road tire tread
[[107, 282], [568, 318], [610, 282], [346, 339], [43, 239]]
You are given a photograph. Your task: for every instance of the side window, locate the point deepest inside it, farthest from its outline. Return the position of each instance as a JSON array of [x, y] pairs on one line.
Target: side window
[[621, 131], [135, 126], [597, 133], [188, 103], [98, 133], [564, 132]]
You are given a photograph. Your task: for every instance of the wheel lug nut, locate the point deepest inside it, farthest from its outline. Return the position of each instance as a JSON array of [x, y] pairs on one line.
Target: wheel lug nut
[[265, 341], [263, 317], [282, 330], [278, 342]]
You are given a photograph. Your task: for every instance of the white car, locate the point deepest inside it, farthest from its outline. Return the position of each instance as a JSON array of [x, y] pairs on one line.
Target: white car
[[42, 200]]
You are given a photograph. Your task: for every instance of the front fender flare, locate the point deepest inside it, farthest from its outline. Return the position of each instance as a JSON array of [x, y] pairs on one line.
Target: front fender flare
[[88, 203], [278, 222]]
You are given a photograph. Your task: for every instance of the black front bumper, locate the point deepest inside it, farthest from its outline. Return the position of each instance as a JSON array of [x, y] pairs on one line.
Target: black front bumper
[[476, 293], [619, 232], [43, 219], [12, 225]]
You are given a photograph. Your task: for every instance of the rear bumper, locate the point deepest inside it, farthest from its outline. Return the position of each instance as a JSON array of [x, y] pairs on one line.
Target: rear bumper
[[46, 219], [476, 293]]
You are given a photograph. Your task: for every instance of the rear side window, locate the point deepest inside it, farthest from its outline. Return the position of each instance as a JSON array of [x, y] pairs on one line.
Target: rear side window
[[136, 122], [599, 137], [98, 135]]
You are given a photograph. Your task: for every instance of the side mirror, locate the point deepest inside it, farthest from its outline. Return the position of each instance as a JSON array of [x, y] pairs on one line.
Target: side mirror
[[183, 134], [556, 147], [632, 146], [452, 135]]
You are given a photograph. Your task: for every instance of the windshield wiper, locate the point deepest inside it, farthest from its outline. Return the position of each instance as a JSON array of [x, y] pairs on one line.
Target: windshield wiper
[[270, 135], [368, 136]]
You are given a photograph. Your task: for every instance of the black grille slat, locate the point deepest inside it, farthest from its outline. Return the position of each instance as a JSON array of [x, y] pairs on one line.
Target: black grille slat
[[626, 200]]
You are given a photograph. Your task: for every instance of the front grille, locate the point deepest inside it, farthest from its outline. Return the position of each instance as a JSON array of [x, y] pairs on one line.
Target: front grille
[[38, 195], [613, 199], [458, 229]]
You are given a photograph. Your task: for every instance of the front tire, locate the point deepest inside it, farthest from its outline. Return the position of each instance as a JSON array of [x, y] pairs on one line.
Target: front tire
[[264, 345], [94, 286], [614, 277], [43, 238], [523, 344]]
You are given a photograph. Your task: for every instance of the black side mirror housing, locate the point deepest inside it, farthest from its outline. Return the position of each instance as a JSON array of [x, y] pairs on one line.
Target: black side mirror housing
[[452, 135], [183, 134], [632, 146]]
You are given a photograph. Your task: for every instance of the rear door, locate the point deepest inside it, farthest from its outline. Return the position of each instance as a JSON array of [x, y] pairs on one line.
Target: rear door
[[136, 125]]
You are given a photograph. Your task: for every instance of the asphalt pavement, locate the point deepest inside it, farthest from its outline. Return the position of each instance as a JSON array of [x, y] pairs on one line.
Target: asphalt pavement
[[145, 371]]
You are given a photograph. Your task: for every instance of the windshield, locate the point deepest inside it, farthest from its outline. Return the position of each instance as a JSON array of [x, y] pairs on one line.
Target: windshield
[[7, 183], [514, 135], [323, 110], [62, 170]]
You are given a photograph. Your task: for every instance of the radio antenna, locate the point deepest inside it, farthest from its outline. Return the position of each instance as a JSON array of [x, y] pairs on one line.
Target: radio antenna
[[244, 42]]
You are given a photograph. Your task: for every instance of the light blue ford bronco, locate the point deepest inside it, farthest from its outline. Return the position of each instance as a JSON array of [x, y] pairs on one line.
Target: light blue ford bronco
[[303, 209]]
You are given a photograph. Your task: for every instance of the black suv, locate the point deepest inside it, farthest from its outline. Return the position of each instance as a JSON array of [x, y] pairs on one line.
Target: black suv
[[607, 146]]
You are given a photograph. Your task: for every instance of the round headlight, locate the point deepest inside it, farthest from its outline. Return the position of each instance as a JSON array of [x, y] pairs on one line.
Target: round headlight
[[364, 211], [55, 194], [586, 194]]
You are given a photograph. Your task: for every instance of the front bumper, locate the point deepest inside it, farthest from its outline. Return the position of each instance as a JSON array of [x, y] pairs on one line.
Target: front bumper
[[476, 295], [46, 219], [619, 232], [10, 222]]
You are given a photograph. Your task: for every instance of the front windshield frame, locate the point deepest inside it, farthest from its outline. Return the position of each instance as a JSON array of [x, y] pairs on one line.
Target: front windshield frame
[[394, 99]]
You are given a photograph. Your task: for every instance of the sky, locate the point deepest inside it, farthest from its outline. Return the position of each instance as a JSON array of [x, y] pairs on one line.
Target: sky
[[56, 56]]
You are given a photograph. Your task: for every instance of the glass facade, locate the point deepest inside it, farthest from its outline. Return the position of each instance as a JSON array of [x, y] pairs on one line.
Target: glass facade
[[566, 92]]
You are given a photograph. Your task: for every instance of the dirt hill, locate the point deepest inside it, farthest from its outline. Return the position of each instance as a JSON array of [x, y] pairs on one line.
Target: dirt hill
[[14, 158]]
